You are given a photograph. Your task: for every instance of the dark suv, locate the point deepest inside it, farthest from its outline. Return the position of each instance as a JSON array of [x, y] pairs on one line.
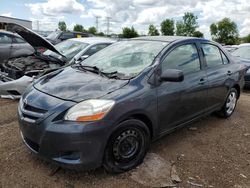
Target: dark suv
[[59, 36], [107, 109]]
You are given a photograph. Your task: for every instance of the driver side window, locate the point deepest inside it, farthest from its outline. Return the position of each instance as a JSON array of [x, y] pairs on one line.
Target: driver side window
[[184, 57]]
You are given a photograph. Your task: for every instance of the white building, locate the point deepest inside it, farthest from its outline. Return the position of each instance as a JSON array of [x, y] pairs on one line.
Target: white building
[[4, 20]]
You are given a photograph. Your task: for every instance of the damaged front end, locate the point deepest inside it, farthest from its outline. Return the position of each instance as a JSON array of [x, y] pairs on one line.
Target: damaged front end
[[17, 73]]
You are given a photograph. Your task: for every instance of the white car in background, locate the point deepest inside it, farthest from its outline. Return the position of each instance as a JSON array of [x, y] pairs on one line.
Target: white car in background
[[243, 52], [18, 73]]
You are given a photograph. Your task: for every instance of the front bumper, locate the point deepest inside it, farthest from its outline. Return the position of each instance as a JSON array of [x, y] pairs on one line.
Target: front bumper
[[11, 87], [68, 144]]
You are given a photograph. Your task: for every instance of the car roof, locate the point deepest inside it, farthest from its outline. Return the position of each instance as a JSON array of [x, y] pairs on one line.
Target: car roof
[[9, 33], [167, 38], [94, 40], [244, 44]]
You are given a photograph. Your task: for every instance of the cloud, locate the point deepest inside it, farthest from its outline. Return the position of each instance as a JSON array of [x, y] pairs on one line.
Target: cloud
[[8, 14], [46, 15], [141, 13], [55, 7]]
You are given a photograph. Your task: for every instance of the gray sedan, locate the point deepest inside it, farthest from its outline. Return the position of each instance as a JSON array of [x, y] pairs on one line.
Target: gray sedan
[[12, 45]]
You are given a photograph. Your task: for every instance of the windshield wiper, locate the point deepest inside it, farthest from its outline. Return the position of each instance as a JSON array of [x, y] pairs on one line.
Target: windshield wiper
[[94, 69]]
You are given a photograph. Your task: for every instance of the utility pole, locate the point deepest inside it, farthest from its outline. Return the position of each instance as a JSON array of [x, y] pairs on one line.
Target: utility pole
[[97, 22], [108, 24]]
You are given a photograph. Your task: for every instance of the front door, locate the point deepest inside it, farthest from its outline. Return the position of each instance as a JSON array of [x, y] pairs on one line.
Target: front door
[[179, 102]]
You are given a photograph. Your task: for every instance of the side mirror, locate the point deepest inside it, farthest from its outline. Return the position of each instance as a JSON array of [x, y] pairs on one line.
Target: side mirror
[[172, 75], [84, 57]]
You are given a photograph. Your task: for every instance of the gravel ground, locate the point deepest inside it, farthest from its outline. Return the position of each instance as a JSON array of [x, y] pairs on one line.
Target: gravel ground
[[210, 153]]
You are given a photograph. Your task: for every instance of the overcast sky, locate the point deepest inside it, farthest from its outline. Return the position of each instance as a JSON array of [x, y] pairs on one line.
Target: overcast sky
[[137, 13]]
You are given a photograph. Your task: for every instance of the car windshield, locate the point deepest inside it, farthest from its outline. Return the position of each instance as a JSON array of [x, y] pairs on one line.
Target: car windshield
[[128, 58], [243, 52], [53, 35], [68, 48]]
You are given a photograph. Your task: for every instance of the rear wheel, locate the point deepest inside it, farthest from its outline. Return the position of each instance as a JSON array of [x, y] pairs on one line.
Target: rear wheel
[[230, 104], [127, 146]]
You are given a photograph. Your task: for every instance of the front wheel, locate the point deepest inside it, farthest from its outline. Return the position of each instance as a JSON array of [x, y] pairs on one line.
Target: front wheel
[[230, 104], [127, 146]]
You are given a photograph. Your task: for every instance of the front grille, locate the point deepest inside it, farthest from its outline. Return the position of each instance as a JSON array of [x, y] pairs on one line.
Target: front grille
[[34, 146], [30, 117], [31, 113], [34, 109]]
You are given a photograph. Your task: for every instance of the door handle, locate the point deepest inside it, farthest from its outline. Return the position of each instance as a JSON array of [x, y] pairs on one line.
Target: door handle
[[202, 81], [229, 73]]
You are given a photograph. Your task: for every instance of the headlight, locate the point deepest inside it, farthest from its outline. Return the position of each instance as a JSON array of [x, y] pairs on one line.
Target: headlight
[[89, 110]]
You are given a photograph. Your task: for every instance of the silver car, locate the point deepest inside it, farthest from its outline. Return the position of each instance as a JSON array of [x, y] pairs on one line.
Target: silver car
[[18, 73], [12, 45]]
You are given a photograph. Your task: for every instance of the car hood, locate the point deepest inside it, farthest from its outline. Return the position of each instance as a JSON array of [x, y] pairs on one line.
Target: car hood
[[75, 85], [31, 37]]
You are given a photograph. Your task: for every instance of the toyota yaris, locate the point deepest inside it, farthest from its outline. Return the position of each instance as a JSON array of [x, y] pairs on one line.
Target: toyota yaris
[[107, 109]]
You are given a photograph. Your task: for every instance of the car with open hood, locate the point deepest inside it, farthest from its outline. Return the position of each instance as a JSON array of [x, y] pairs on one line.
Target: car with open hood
[[17, 73], [107, 109]]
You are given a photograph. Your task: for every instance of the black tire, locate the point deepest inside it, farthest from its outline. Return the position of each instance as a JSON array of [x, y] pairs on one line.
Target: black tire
[[131, 135], [225, 112]]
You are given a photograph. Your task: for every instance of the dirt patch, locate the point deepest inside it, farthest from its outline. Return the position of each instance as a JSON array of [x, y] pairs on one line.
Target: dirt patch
[[213, 153]]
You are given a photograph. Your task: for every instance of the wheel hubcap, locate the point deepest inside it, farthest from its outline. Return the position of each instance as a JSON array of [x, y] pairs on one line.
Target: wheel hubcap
[[231, 103], [127, 145]]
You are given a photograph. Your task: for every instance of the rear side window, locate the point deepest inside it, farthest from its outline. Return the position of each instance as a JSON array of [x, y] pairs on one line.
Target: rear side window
[[95, 49], [212, 55], [183, 58], [66, 36], [19, 40], [5, 39]]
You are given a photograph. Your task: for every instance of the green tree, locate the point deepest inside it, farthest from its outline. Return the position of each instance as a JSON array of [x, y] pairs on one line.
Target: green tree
[[92, 30], [198, 34], [246, 39], [187, 26], [167, 27], [152, 31], [100, 34], [62, 26], [129, 32], [79, 28], [225, 32]]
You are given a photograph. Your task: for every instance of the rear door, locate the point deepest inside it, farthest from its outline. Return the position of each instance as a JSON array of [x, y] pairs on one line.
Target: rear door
[[5, 46], [179, 102], [218, 74], [19, 47]]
